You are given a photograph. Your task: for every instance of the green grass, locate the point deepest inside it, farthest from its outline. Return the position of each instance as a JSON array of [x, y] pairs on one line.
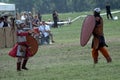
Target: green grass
[[66, 59]]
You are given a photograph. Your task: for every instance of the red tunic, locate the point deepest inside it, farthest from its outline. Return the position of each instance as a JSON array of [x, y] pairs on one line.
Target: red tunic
[[21, 36]]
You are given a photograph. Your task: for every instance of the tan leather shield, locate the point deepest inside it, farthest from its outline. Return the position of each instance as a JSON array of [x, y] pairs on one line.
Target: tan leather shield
[[32, 42], [87, 29]]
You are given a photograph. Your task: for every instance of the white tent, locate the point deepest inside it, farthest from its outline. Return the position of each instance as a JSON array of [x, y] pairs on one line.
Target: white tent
[[7, 7]]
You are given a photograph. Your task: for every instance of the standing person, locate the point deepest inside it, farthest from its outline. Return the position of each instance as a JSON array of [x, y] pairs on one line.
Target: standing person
[[35, 21], [21, 50], [108, 11], [39, 16], [23, 16], [29, 19], [98, 43], [6, 22], [55, 18], [1, 22]]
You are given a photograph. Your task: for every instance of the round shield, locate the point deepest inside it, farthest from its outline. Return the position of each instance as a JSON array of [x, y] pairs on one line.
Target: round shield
[[33, 44], [87, 29]]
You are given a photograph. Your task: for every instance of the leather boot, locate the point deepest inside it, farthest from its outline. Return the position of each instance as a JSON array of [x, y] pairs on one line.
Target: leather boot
[[18, 66], [24, 65], [109, 59]]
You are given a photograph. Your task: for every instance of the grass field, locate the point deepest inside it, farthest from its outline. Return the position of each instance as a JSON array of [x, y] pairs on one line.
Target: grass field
[[66, 59]]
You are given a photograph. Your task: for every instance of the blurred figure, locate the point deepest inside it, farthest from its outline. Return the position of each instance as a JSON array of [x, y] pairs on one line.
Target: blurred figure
[[29, 19], [39, 16], [55, 18], [45, 30], [6, 22], [35, 21], [46, 34], [1, 22], [108, 11], [23, 16]]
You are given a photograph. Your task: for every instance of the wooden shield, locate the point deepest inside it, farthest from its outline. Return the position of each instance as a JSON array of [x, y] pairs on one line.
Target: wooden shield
[[32, 42], [87, 29]]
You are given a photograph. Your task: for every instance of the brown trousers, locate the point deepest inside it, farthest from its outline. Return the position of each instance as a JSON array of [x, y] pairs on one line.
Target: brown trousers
[[104, 52]]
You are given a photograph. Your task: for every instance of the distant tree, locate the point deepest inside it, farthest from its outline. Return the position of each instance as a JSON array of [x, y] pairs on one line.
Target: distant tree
[[47, 6]]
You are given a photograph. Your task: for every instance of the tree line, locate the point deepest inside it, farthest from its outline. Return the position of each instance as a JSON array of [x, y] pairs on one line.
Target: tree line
[[62, 6]]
